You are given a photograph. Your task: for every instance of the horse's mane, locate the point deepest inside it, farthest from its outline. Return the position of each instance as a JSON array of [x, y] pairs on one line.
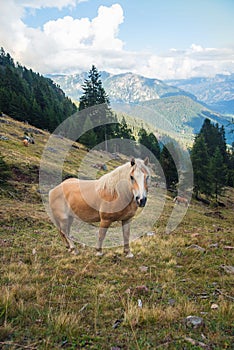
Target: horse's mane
[[112, 180]]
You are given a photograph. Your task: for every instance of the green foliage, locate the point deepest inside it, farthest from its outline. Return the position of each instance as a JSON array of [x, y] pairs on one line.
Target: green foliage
[[169, 167], [28, 96], [230, 166], [213, 165], [109, 128], [4, 170], [218, 171], [95, 95], [150, 141]]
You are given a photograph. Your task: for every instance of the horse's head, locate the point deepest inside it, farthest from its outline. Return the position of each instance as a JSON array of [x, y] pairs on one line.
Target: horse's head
[[139, 179]]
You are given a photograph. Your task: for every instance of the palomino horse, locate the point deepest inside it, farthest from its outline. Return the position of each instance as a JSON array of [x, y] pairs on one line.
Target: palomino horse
[[181, 200], [114, 197]]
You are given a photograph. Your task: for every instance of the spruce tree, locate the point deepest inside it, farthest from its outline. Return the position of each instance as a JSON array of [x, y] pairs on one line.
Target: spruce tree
[[230, 166], [201, 167], [169, 167], [95, 95], [149, 141], [218, 172]]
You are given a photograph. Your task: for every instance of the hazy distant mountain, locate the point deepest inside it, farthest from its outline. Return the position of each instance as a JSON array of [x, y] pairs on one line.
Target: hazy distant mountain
[[217, 92], [133, 88], [166, 107], [126, 87]]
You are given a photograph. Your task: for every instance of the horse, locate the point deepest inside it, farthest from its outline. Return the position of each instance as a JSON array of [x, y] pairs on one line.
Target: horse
[[25, 142], [180, 200], [115, 196]]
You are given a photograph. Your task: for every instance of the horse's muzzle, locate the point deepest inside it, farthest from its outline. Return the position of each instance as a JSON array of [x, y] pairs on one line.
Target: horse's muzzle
[[141, 202]]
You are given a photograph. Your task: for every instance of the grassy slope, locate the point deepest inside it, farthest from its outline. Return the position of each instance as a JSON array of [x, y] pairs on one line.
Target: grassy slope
[[51, 300]]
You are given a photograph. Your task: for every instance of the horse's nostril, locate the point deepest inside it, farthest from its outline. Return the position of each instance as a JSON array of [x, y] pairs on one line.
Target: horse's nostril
[[137, 198], [143, 202]]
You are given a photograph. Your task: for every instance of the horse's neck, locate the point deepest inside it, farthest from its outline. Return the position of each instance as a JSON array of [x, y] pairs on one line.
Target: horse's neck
[[116, 182]]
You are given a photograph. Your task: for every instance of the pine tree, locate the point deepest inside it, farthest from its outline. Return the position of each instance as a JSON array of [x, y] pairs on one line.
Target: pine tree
[[95, 95], [218, 172], [169, 167], [150, 142], [201, 167], [26, 95], [230, 166], [88, 138]]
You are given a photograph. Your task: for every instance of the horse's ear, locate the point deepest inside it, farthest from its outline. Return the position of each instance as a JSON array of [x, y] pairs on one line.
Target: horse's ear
[[146, 161], [133, 161]]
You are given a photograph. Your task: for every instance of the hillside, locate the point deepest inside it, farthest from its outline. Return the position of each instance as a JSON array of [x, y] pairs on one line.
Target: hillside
[[52, 300], [28, 96], [176, 116]]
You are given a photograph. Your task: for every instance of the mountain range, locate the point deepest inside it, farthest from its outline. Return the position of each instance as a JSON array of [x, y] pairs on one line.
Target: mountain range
[[216, 92], [175, 107]]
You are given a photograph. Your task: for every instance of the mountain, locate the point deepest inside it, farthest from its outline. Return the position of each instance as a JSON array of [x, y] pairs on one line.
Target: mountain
[[216, 92], [134, 88], [126, 87], [169, 109]]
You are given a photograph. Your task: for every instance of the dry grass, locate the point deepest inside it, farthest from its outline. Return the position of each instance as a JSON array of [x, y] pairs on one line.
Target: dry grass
[[52, 300]]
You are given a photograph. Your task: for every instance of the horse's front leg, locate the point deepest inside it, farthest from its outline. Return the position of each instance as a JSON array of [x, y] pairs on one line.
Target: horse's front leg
[[101, 236], [126, 235]]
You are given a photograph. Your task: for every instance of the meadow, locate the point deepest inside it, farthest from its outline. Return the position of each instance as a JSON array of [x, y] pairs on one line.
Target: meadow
[[50, 299]]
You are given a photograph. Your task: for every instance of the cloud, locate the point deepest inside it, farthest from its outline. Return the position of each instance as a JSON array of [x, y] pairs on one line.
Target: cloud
[[70, 45], [192, 62], [38, 4]]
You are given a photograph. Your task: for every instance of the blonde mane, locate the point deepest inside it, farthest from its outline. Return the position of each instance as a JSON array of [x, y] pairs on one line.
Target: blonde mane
[[111, 181]]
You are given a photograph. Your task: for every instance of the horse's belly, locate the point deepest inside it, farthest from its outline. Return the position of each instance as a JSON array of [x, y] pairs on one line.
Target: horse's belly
[[84, 212]]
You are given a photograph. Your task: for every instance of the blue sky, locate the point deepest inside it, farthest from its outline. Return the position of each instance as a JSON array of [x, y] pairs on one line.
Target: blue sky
[[161, 39]]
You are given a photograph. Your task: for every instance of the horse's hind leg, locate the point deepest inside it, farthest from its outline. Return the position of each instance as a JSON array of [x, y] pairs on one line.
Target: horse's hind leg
[[64, 229]]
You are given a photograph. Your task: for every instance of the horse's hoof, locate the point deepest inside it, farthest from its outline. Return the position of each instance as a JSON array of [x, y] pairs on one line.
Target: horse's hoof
[[129, 255], [99, 254], [73, 251]]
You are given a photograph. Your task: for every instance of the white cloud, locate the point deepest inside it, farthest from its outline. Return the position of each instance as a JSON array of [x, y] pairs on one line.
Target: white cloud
[[68, 45], [192, 62], [37, 4]]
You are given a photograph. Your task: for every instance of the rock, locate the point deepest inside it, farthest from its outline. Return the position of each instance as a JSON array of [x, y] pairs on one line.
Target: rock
[[197, 247], [151, 233], [139, 302], [143, 268], [128, 291], [214, 245], [228, 269], [214, 307], [142, 289], [171, 302], [4, 138], [194, 321], [117, 323]]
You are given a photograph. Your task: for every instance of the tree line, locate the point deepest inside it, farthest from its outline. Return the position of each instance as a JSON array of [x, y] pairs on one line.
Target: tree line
[[28, 96], [213, 162]]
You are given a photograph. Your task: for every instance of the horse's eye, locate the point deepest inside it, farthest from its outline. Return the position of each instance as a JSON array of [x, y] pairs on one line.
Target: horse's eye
[[132, 178], [147, 178]]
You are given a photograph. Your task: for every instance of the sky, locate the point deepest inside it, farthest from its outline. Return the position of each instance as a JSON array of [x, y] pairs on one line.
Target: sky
[[163, 39]]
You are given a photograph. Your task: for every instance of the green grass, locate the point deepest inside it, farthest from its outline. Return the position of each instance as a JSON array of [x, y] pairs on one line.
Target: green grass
[[52, 300]]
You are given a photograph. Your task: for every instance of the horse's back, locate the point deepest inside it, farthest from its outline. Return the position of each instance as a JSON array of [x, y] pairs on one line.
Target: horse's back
[[74, 197]]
